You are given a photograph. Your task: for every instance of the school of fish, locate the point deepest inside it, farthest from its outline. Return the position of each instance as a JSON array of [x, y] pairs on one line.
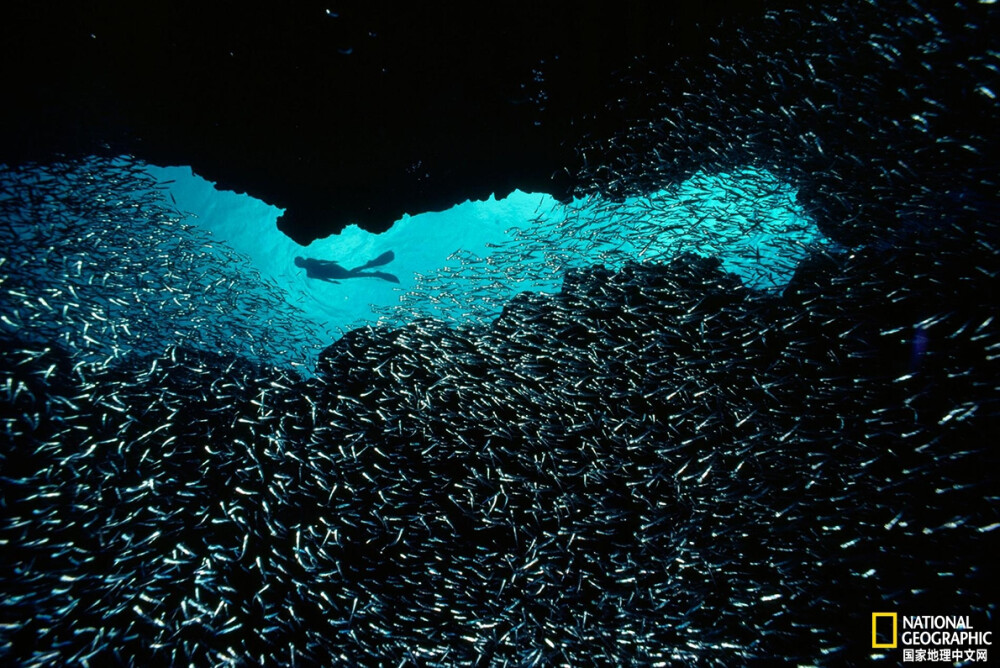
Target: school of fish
[[662, 464]]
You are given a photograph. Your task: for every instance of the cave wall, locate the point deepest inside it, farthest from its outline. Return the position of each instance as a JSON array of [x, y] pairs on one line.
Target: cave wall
[[337, 113]]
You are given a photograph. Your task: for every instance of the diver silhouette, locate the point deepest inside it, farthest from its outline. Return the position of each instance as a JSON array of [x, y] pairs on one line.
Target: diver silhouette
[[328, 270]]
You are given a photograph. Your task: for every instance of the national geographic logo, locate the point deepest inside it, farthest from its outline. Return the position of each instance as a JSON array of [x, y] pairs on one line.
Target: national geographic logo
[[931, 637], [886, 639]]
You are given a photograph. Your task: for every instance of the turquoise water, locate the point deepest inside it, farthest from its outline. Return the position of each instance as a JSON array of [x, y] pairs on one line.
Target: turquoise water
[[109, 264], [463, 264]]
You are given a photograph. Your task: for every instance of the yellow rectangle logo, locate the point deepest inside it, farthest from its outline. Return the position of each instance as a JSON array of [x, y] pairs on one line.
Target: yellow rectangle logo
[[875, 643]]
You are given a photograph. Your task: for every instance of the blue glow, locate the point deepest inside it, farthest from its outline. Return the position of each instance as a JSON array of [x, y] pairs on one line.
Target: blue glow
[[463, 264]]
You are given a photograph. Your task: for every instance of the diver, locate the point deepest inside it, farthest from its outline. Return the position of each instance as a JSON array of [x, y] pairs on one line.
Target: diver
[[328, 270]]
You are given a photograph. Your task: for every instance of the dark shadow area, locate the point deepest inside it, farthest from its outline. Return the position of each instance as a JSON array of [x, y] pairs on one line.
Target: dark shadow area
[[353, 114]]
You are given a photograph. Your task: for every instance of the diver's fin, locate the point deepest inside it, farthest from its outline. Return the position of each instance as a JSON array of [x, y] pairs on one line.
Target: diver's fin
[[384, 258], [384, 276]]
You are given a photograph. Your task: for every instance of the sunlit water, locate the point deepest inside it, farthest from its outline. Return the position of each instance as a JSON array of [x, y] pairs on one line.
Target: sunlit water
[[463, 264], [115, 258]]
